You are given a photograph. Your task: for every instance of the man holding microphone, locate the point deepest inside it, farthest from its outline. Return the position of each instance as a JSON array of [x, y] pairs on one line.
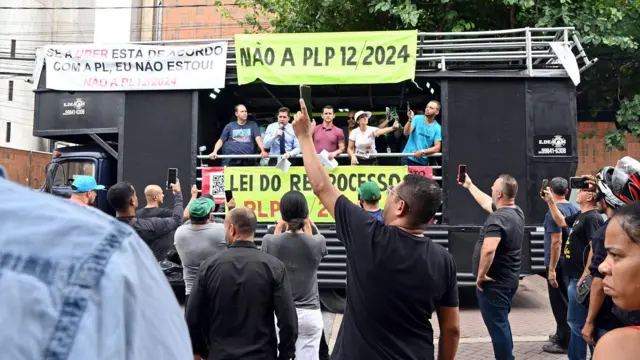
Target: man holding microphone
[[280, 139]]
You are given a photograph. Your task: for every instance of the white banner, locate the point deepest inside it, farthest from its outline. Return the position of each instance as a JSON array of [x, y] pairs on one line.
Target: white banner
[[125, 67]]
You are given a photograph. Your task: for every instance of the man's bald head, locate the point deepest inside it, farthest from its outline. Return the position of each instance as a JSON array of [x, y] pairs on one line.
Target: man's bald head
[[240, 224], [154, 195]]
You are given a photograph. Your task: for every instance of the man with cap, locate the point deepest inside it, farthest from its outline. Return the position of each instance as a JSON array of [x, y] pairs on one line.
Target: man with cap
[[369, 199], [85, 189], [198, 240]]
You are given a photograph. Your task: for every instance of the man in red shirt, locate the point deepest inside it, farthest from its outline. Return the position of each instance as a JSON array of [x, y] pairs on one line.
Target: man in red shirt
[[84, 190], [327, 136]]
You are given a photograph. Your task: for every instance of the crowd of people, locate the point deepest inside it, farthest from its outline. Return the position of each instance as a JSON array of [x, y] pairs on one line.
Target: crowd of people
[[97, 291], [361, 141]]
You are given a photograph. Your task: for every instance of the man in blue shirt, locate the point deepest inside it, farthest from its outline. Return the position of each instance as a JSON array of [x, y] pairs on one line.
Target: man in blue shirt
[[425, 136], [238, 139], [554, 239], [280, 139], [78, 284]]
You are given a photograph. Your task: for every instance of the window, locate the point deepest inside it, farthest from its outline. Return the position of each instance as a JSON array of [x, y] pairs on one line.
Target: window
[[8, 132], [68, 170], [10, 90]]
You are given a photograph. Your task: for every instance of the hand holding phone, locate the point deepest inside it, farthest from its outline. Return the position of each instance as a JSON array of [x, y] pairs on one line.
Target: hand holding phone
[[578, 182], [172, 177], [228, 195], [545, 185], [462, 173], [305, 94]]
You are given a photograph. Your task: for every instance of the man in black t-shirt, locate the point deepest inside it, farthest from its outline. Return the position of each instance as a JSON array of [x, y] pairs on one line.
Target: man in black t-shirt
[[397, 277], [577, 257], [496, 259]]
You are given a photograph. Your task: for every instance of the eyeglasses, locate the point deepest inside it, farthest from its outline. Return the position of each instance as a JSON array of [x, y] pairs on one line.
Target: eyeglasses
[[392, 189]]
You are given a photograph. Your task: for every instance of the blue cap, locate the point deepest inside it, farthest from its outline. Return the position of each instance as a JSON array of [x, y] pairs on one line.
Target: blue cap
[[84, 183]]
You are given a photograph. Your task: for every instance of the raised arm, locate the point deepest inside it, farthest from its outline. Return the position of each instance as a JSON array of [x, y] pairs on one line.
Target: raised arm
[[194, 196], [319, 179], [385, 130], [484, 200], [553, 208], [408, 127]]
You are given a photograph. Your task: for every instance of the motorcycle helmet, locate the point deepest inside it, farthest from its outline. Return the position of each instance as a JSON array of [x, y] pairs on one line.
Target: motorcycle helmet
[[625, 180], [603, 185]]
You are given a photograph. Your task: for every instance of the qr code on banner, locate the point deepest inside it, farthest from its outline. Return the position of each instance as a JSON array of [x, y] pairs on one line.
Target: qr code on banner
[[216, 184]]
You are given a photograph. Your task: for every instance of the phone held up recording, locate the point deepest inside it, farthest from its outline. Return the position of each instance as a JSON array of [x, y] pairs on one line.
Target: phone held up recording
[[305, 94], [462, 173], [545, 185], [578, 182], [172, 177]]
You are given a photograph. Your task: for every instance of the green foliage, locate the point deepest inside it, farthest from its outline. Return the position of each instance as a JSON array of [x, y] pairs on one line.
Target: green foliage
[[627, 120], [609, 30]]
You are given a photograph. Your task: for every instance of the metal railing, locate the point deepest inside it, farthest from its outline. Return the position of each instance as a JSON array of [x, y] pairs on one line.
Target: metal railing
[[526, 50]]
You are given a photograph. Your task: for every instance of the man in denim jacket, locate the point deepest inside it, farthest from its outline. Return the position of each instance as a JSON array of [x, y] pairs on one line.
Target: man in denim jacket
[[78, 284]]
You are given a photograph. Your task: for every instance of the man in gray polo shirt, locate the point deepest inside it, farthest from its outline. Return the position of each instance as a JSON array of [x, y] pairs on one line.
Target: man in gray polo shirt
[[198, 240]]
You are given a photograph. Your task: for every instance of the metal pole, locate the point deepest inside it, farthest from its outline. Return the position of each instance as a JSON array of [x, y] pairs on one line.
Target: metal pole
[[529, 59]]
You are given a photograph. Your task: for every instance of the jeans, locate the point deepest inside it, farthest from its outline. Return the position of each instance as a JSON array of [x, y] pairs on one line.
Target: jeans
[[576, 317], [495, 305], [559, 301], [238, 162], [408, 162], [310, 327]]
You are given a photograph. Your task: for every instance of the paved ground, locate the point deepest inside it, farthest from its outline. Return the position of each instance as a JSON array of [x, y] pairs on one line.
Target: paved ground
[[531, 323]]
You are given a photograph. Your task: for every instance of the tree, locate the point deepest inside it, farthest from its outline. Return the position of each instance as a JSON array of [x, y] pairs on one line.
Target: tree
[[609, 29]]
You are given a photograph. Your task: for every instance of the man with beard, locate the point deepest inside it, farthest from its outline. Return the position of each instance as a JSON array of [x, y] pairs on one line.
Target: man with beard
[[85, 190], [425, 136], [233, 299]]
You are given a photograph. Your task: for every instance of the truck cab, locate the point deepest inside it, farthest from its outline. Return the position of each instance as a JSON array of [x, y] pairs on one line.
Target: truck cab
[[91, 160]]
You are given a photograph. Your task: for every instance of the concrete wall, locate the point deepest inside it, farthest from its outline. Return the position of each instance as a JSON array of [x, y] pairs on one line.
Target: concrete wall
[[25, 167]]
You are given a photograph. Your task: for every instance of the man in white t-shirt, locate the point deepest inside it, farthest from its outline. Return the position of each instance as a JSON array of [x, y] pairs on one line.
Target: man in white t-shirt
[[362, 140]]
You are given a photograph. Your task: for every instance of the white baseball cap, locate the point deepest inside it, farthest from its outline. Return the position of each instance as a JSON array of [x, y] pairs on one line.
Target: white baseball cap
[[360, 113]]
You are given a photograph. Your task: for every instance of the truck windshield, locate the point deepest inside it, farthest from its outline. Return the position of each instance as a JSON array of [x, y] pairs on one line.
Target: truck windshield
[[68, 169]]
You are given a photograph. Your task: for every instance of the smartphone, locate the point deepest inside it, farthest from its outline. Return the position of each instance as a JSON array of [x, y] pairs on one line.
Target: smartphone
[[545, 185], [388, 113], [408, 107], [172, 177], [462, 173], [578, 182], [305, 94], [228, 194]]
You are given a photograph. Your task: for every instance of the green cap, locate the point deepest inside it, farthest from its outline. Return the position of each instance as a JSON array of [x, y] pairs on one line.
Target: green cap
[[369, 191], [201, 207]]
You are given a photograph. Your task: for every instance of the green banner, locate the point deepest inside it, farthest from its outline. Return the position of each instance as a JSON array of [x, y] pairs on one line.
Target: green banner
[[374, 57]]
